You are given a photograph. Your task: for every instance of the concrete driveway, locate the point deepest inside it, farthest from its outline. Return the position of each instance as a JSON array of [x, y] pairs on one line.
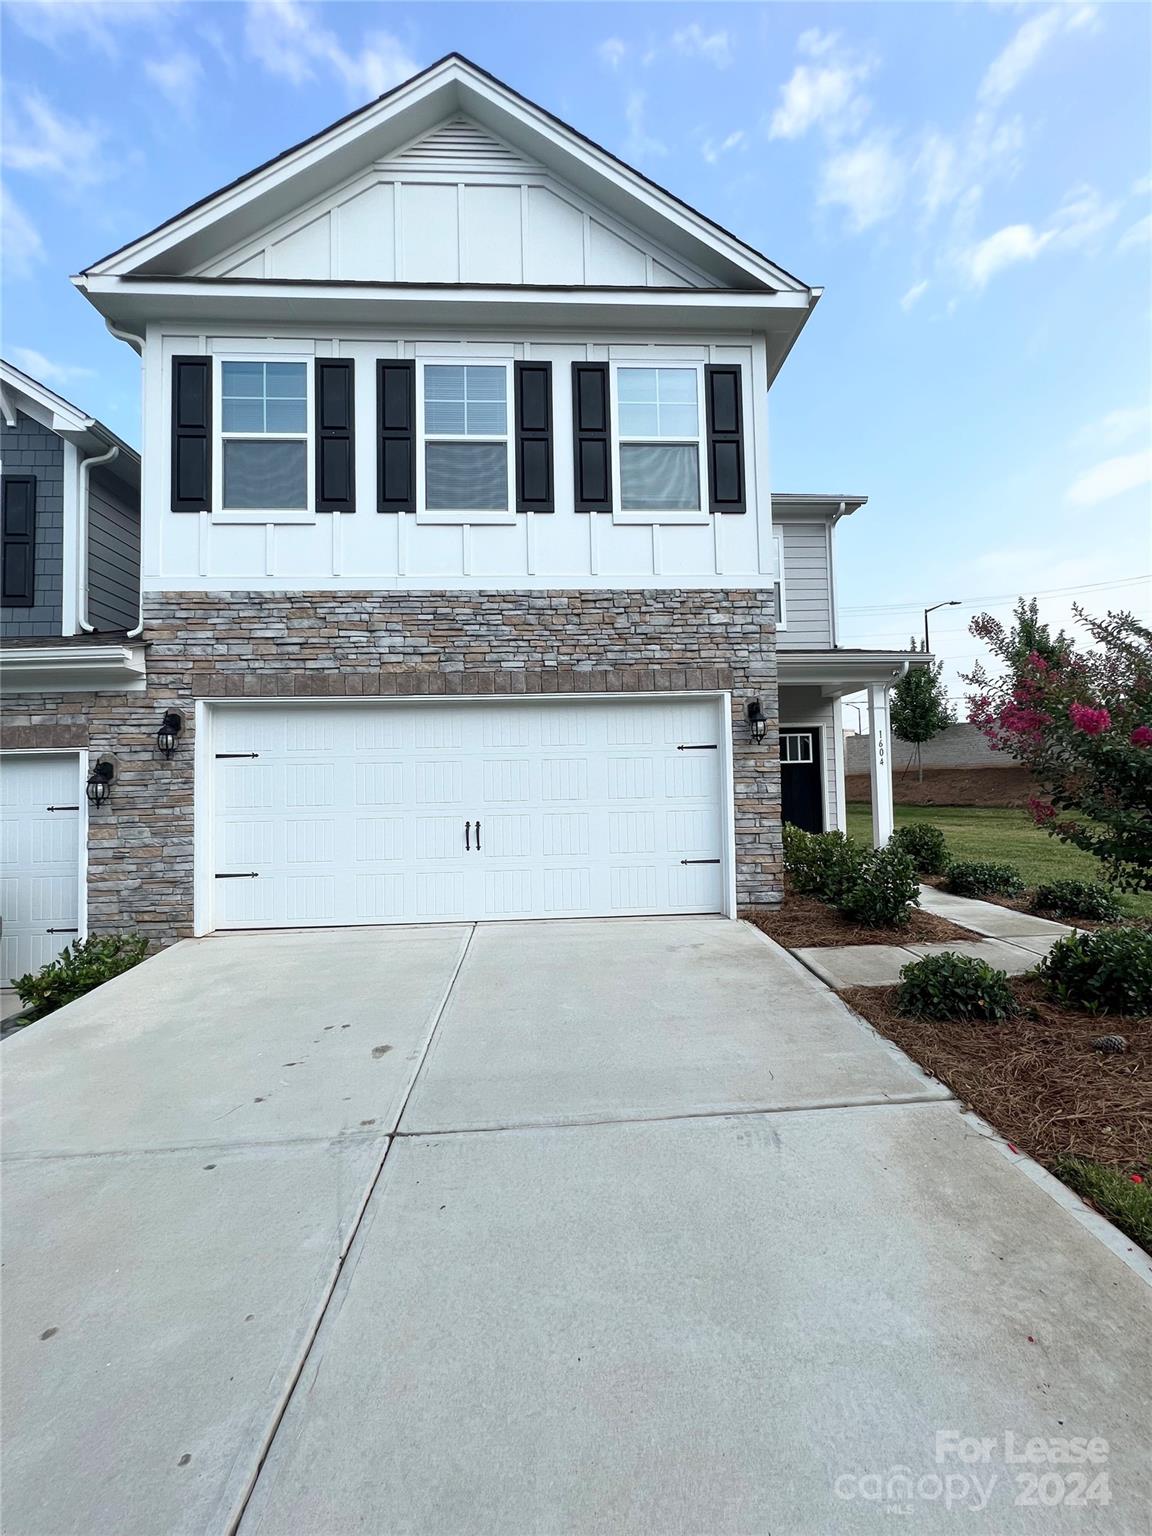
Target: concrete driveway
[[535, 1228]]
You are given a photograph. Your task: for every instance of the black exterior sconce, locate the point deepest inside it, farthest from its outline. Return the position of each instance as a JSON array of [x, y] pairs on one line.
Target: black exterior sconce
[[168, 736], [99, 785], [757, 721]]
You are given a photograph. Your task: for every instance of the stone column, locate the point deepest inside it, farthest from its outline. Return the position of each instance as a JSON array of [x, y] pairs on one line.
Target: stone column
[[880, 763]]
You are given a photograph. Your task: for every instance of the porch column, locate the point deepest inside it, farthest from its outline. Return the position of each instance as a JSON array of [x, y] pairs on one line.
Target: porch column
[[880, 764]]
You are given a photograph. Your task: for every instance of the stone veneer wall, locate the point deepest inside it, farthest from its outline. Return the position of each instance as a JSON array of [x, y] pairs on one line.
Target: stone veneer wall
[[368, 644]]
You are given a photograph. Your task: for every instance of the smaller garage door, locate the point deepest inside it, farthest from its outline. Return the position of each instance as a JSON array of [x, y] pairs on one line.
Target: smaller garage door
[[440, 812], [40, 888]]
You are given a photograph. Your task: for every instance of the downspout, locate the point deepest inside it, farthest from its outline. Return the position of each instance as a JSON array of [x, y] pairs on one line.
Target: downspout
[[86, 468], [137, 344]]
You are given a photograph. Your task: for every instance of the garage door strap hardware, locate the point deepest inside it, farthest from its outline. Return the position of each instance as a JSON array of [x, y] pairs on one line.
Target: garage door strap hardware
[[699, 861], [706, 746], [62, 808], [249, 874], [63, 930], [237, 754]]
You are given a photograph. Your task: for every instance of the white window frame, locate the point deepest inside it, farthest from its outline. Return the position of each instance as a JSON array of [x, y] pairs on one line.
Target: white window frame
[[781, 594], [801, 734], [689, 515], [495, 516], [223, 514]]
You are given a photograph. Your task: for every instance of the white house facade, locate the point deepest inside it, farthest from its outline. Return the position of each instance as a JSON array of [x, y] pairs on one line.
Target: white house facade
[[463, 591]]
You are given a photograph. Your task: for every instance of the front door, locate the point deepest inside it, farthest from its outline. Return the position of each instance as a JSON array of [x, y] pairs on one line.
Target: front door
[[801, 763]]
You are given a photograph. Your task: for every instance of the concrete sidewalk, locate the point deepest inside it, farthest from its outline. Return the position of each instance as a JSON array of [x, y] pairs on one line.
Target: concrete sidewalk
[[543, 1227]]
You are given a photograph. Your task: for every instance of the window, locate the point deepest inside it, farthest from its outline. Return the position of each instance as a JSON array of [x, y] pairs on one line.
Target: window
[[467, 445], [795, 747], [264, 416], [659, 431]]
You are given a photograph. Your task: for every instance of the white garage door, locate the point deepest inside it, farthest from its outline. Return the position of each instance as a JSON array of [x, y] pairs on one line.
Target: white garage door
[[40, 885], [431, 812]]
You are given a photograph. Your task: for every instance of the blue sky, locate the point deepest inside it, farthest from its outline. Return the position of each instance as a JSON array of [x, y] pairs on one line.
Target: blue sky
[[971, 184]]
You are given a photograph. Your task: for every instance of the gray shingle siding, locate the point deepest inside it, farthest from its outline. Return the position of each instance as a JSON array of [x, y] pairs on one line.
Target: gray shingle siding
[[31, 449], [807, 586], [113, 553]]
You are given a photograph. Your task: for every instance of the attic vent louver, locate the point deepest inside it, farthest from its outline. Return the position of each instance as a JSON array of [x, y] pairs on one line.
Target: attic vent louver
[[454, 145]]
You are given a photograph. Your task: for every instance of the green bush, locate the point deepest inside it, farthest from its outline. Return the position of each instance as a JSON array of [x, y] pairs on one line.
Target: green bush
[[925, 846], [1077, 898], [951, 986], [84, 964], [880, 890], [821, 864], [977, 878], [1105, 972]]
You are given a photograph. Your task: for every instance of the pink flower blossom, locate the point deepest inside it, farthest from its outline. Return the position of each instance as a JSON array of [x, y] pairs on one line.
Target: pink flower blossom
[[1091, 721], [1036, 661], [1040, 811], [1020, 721], [1141, 736]]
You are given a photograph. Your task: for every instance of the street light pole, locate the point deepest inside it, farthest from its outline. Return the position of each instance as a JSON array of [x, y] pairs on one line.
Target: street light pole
[[951, 603]]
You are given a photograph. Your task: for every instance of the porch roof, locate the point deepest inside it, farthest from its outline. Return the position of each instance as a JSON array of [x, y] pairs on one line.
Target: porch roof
[[838, 671]]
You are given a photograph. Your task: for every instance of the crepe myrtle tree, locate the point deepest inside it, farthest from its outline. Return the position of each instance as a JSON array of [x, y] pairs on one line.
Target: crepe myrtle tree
[[1080, 718], [920, 708]]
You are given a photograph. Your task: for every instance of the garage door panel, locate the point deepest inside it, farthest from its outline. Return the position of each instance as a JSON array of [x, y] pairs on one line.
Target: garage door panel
[[40, 848], [579, 809]]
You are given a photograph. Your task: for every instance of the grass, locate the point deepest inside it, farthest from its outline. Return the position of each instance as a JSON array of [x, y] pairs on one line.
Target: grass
[[1127, 1204], [1003, 836]]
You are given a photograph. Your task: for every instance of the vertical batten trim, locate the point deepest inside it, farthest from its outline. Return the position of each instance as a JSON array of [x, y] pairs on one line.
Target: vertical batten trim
[[269, 549], [204, 534]]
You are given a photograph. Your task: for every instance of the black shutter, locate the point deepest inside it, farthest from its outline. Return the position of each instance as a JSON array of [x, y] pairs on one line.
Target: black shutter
[[396, 430], [19, 541], [725, 438], [534, 491], [335, 436], [191, 434], [591, 417]]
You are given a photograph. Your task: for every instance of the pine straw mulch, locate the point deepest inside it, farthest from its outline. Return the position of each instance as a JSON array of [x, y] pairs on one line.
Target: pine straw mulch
[[802, 922], [1036, 1077]]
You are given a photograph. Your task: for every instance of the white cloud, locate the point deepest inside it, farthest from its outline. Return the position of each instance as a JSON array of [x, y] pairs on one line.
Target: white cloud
[[825, 93], [867, 181], [1028, 43], [695, 43], [914, 295], [613, 51], [44, 369], [1116, 429], [1081, 218], [20, 242], [289, 40], [177, 78], [713, 151], [1006, 248], [59, 23], [640, 144], [1112, 477], [1136, 234], [43, 142]]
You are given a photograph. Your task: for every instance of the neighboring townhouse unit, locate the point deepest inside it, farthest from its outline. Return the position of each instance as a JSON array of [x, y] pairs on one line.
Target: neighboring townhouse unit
[[69, 618], [459, 561]]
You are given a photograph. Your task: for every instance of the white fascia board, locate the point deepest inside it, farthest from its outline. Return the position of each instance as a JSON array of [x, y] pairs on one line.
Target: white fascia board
[[806, 507], [837, 673], [450, 88], [72, 669]]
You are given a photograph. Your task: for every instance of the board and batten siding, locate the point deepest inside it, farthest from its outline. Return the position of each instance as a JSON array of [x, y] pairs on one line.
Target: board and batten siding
[[113, 553], [29, 448], [562, 549], [806, 551]]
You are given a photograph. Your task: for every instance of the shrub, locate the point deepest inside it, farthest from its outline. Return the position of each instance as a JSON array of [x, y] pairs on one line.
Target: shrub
[[951, 986], [1077, 898], [880, 891], [924, 845], [84, 964], [1105, 972], [977, 878], [821, 864]]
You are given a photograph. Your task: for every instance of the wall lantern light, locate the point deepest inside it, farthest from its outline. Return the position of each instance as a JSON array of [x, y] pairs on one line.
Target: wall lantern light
[[99, 785], [168, 736], [757, 722]]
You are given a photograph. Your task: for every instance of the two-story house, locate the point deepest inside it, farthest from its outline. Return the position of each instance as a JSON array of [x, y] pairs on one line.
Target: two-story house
[[460, 566]]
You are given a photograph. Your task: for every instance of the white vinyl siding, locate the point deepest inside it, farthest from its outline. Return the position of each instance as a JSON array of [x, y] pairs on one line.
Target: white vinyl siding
[[808, 588]]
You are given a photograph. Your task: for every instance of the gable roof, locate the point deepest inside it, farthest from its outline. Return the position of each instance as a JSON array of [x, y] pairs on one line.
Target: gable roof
[[447, 89], [61, 416]]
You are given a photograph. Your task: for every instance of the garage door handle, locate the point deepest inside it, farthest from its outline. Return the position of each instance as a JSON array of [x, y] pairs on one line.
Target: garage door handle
[[248, 874], [468, 836], [477, 837]]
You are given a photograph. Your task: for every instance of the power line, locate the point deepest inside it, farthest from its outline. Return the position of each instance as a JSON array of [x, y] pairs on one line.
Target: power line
[[1003, 597]]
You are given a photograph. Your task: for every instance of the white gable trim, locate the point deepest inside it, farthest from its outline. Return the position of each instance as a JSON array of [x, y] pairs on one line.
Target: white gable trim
[[452, 88]]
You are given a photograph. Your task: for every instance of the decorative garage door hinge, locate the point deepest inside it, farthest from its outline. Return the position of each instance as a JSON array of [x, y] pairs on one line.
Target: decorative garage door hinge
[[248, 874], [237, 754], [707, 746], [62, 808], [63, 930], [699, 861]]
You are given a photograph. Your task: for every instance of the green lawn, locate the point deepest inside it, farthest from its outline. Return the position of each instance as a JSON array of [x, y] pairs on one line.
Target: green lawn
[[1007, 837]]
